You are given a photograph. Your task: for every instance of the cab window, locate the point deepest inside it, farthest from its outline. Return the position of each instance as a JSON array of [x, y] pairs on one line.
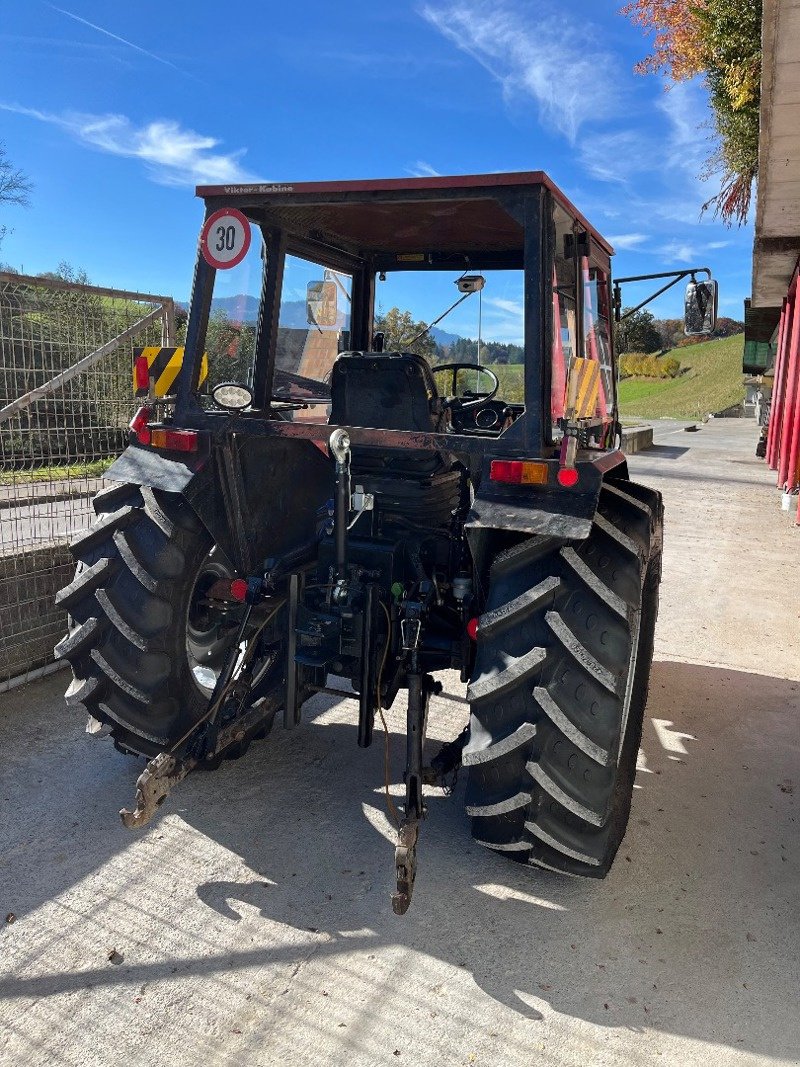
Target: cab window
[[313, 328], [231, 331]]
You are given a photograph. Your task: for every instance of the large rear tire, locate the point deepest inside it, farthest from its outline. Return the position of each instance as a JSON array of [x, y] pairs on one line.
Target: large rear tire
[[138, 641], [560, 684]]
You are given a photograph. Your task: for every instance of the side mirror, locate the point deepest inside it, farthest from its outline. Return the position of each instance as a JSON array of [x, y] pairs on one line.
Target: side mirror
[[321, 304], [700, 308]]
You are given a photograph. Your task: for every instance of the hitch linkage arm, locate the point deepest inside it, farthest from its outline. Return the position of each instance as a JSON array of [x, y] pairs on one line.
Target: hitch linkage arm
[[421, 687]]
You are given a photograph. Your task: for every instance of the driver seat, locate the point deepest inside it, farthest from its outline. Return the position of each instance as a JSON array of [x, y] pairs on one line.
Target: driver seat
[[390, 391]]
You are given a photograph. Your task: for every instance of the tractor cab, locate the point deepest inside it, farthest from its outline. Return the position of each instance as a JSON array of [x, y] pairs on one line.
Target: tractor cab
[[497, 282]]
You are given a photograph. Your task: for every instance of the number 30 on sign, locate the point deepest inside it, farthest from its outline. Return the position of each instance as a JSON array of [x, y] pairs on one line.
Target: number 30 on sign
[[225, 238]]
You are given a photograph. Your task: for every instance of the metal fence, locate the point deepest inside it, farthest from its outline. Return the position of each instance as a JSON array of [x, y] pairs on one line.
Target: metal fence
[[66, 398]]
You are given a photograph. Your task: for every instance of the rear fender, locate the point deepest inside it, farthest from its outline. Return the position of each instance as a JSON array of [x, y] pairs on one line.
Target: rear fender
[[548, 510], [285, 483]]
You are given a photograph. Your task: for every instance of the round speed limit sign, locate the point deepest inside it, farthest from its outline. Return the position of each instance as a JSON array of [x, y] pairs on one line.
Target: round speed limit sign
[[225, 238]]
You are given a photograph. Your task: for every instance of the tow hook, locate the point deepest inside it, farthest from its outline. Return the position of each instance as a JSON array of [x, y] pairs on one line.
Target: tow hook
[[405, 865], [166, 770], [153, 786]]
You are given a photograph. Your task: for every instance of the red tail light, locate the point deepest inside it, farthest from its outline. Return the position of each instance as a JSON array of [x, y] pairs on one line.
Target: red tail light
[[518, 472], [161, 436], [174, 440], [139, 425], [472, 629], [568, 476]]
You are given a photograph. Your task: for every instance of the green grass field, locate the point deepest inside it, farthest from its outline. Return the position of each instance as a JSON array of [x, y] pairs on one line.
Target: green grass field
[[94, 469], [710, 380], [511, 381]]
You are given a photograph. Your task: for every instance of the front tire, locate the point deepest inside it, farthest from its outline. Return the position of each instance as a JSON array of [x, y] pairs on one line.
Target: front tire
[[560, 685]]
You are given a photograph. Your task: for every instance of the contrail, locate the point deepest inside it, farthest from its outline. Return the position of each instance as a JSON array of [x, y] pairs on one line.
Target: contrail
[[115, 37]]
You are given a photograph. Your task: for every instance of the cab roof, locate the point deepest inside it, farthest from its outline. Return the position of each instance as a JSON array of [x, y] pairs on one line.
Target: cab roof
[[448, 212]]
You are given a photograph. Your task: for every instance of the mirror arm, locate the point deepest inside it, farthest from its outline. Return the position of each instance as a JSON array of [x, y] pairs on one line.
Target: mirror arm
[[676, 277]]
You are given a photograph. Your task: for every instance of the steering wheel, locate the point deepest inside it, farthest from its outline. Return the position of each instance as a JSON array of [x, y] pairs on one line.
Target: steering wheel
[[478, 398]]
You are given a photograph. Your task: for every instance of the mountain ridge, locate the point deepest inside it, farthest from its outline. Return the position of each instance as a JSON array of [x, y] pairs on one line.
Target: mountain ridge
[[244, 308]]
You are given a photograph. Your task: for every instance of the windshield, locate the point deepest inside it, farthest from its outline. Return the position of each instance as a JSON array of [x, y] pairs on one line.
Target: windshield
[[485, 327], [446, 316]]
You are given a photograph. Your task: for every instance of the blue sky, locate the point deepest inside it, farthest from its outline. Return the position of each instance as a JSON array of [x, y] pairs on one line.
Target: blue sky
[[116, 111]]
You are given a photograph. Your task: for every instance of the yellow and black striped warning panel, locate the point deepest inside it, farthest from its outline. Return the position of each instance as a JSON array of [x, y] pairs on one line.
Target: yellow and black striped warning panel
[[164, 364], [583, 388]]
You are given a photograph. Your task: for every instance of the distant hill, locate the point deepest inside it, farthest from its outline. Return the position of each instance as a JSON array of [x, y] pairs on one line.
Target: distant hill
[[443, 338], [244, 308], [240, 308]]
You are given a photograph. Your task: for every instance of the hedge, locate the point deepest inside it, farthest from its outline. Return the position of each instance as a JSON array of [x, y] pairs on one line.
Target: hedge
[[638, 366]]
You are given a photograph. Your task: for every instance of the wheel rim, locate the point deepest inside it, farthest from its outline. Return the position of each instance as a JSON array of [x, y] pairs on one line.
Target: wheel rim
[[211, 631]]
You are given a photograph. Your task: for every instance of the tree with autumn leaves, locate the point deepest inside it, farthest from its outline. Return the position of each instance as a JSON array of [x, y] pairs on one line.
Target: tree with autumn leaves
[[720, 40]]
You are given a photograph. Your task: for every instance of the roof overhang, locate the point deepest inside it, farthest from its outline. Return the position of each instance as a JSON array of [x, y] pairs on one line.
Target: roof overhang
[[760, 324], [777, 232], [403, 209]]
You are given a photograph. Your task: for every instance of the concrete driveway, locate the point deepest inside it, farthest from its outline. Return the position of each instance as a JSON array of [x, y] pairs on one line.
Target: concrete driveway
[[250, 924]]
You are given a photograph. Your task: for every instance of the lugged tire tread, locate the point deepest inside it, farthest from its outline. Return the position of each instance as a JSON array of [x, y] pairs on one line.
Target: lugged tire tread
[[78, 640], [123, 684], [518, 609], [568, 728], [85, 582], [127, 605], [110, 713], [139, 572], [119, 624], [521, 737], [156, 513], [482, 811], [512, 559], [99, 530], [580, 653], [620, 494], [515, 672], [510, 846], [110, 496], [595, 582], [539, 730], [618, 535], [553, 789], [561, 846], [81, 690]]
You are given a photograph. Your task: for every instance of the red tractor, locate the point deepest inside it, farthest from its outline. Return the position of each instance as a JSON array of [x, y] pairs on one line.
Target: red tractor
[[308, 502]]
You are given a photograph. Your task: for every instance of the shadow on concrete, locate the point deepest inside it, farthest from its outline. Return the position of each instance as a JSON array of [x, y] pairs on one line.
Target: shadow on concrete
[[644, 470], [693, 933], [666, 451]]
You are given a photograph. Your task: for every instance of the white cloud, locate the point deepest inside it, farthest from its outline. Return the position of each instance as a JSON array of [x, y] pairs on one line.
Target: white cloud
[[540, 52], [685, 106], [614, 157], [511, 307], [421, 169], [671, 152], [679, 252], [625, 242], [503, 320], [172, 154]]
